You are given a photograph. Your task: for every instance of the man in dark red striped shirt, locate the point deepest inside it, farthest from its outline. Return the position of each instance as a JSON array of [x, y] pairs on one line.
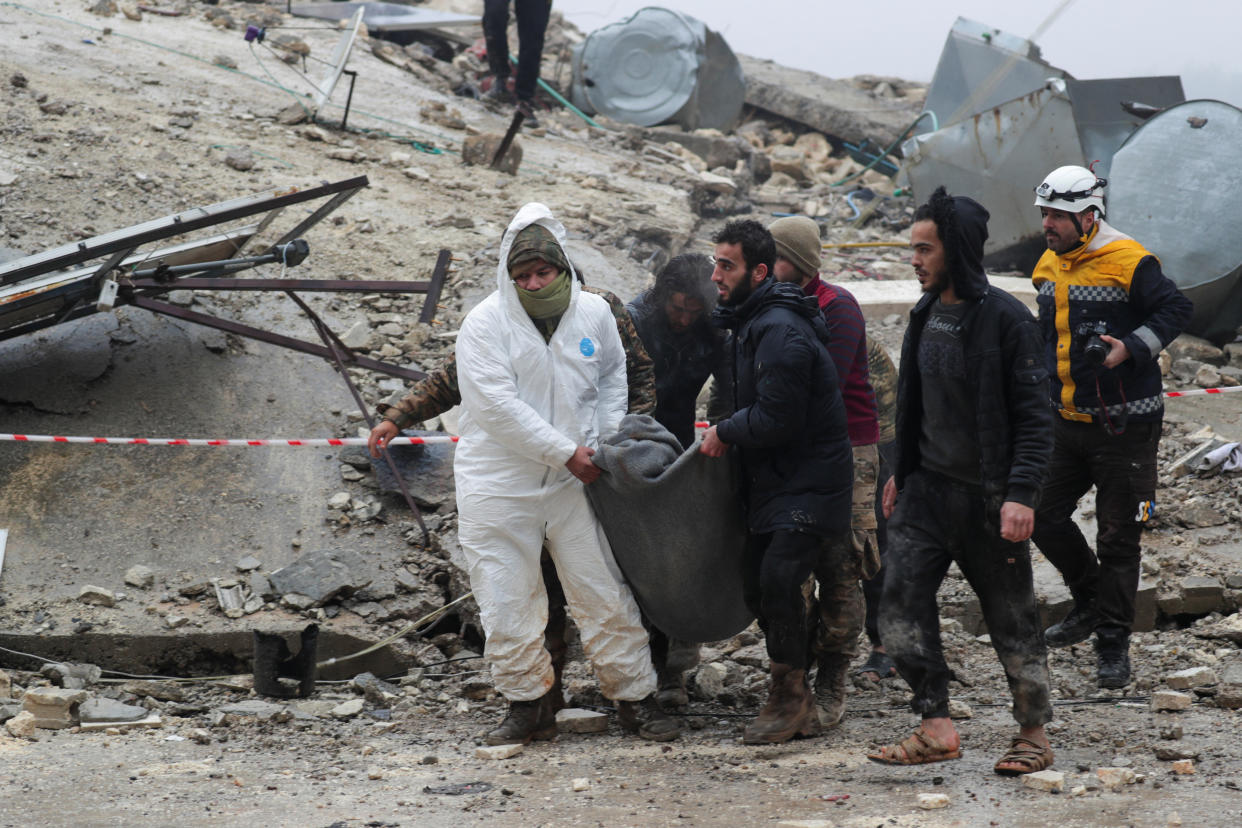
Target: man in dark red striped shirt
[[841, 609]]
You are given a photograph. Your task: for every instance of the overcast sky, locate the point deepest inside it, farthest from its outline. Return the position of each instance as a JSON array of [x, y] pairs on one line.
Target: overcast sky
[[1196, 39]]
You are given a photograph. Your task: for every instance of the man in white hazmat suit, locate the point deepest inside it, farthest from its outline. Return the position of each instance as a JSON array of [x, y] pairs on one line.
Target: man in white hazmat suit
[[542, 376]]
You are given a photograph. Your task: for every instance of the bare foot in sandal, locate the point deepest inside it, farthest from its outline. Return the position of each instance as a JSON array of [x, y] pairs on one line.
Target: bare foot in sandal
[[935, 741], [1028, 752]]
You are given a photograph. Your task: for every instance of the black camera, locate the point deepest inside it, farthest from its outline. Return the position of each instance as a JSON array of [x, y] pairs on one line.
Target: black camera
[[1094, 349]]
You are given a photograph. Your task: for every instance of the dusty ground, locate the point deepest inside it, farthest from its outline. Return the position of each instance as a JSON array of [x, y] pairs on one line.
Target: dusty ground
[[146, 124]]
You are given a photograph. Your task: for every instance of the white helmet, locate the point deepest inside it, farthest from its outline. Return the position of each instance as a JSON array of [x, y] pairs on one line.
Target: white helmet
[[1072, 189]]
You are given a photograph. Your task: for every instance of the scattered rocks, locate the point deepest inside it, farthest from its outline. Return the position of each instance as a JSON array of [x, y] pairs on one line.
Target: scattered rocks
[[479, 150], [581, 784], [322, 575], [97, 596], [1191, 678], [932, 801], [498, 751], [1170, 700], [347, 709], [575, 720], [1114, 779], [1045, 780], [1184, 767], [22, 726], [140, 576], [240, 159]]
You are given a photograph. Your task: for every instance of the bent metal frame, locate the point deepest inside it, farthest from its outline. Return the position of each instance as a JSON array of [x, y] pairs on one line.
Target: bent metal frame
[[98, 274]]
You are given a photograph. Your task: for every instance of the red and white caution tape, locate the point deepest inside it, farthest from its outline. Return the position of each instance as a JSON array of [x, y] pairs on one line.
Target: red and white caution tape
[[182, 441], [320, 442], [1199, 391]]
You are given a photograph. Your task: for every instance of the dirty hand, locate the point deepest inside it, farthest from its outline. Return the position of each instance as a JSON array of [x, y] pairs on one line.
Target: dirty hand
[[580, 465], [378, 439], [1016, 521], [1118, 352], [712, 445], [888, 501]]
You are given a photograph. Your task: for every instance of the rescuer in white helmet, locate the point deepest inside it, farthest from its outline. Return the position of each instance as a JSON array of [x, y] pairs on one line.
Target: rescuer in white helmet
[[1106, 310]]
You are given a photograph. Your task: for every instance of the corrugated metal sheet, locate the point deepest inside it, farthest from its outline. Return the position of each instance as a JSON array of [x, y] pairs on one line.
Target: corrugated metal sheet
[[1176, 186]]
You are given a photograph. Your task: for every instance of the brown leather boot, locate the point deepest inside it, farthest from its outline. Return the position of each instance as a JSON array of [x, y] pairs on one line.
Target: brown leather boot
[[790, 710], [527, 720], [830, 689]]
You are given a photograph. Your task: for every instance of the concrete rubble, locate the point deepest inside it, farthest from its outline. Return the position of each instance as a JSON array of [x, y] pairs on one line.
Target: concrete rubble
[[335, 546]]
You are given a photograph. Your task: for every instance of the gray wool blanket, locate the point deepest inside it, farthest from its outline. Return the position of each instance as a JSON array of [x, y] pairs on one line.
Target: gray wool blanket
[[676, 523]]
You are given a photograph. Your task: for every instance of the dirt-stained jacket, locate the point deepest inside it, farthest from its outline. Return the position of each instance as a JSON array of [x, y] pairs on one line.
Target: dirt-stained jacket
[[438, 391]]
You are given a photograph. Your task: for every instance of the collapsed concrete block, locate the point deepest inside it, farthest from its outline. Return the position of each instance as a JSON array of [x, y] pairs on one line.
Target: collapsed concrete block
[[498, 751], [21, 726], [1192, 677], [1045, 780], [574, 720], [1170, 700], [322, 575], [53, 707]]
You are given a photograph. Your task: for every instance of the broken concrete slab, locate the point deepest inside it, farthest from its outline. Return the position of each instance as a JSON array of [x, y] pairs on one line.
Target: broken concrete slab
[[426, 469], [53, 708], [109, 710], [322, 575], [576, 720], [1191, 678], [150, 720], [840, 109], [498, 751]]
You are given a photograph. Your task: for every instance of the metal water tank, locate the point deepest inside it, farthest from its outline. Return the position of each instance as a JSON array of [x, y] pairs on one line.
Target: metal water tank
[[1176, 186], [656, 66]]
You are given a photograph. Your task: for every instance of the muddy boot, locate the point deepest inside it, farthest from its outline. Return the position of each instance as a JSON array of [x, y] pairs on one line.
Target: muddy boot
[[830, 689], [671, 690], [1077, 626], [648, 720], [1112, 657], [790, 710], [527, 720]]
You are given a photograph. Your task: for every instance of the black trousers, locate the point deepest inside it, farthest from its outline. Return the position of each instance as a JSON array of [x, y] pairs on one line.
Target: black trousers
[[532, 22], [939, 521], [778, 590], [874, 587], [1122, 468]]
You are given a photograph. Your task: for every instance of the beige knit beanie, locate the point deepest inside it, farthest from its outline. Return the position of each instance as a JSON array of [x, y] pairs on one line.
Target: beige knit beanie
[[797, 239]]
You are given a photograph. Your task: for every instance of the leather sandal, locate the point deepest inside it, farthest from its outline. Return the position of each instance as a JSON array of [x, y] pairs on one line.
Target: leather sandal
[[920, 748], [1022, 751]]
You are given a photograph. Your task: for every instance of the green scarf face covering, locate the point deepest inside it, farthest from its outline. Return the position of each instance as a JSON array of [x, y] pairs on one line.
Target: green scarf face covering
[[550, 301]]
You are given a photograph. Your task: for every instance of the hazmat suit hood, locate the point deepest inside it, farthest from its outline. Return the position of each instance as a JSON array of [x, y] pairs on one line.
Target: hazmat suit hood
[[532, 213]]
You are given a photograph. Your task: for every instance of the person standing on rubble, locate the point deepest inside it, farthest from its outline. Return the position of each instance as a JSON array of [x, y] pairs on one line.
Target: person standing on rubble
[[542, 376], [973, 436], [1106, 310], [789, 423], [532, 23], [856, 554]]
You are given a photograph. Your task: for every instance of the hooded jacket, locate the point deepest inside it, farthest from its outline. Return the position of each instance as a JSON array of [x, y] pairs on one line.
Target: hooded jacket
[[527, 405], [789, 420], [1004, 371], [1111, 281]]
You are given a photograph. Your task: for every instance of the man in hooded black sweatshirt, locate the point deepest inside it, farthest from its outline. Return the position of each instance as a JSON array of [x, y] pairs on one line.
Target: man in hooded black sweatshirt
[[798, 470], [974, 432]]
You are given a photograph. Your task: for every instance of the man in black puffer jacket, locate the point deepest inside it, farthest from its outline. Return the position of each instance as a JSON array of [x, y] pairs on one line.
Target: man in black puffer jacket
[[789, 423], [974, 432]]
